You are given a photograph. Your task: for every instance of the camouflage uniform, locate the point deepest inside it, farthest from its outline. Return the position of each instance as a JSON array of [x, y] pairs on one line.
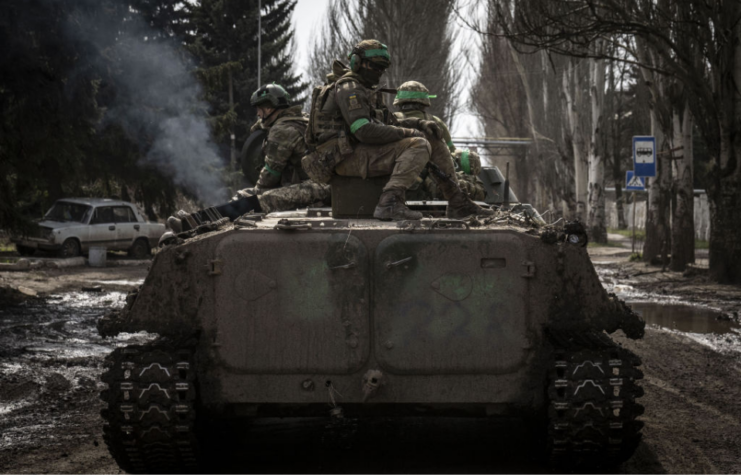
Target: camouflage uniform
[[412, 99], [469, 165], [283, 185], [353, 131]]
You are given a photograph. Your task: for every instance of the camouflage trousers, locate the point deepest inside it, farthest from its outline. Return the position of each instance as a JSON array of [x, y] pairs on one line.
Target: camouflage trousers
[[403, 160], [300, 195]]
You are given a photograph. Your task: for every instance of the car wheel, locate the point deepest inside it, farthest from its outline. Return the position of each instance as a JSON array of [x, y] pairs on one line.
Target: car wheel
[[70, 248], [140, 249], [25, 251]]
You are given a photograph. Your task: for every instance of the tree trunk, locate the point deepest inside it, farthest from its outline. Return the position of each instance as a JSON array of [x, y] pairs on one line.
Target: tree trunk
[[725, 195], [574, 100], [657, 243], [596, 223], [683, 214]]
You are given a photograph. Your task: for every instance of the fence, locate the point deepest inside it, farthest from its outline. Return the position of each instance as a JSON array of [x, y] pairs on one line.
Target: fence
[[702, 211]]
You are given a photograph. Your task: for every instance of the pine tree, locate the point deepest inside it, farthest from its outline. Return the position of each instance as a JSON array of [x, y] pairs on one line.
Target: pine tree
[[224, 38]]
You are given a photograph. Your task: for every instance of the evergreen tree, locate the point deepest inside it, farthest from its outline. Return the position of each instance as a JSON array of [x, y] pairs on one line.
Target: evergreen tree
[[224, 38]]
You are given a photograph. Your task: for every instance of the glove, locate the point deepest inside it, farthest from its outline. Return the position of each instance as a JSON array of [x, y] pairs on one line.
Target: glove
[[430, 127], [412, 133]]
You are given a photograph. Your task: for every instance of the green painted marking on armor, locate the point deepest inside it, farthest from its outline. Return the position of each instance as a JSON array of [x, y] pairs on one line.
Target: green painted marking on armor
[[371, 53], [272, 172], [358, 124], [414, 95], [465, 162]]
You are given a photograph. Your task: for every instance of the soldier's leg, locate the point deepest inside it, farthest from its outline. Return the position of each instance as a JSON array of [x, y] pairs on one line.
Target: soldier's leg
[[300, 195], [403, 160], [440, 156]]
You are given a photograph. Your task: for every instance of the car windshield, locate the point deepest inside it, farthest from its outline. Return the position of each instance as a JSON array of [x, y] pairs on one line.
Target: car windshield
[[64, 211]]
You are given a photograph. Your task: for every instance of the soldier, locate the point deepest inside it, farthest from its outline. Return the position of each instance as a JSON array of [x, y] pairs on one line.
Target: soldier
[[413, 98], [354, 134], [282, 184], [468, 164]]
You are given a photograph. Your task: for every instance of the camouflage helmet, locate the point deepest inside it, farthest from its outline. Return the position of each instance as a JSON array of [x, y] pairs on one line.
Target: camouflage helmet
[[371, 50], [272, 93], [413, 91], [469, 162]]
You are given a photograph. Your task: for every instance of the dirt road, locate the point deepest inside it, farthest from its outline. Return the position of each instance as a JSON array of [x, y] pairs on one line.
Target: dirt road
[[51, 357]]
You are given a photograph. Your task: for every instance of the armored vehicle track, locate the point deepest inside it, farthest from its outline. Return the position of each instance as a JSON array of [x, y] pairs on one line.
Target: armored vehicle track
[[592, 393], [150, 416]]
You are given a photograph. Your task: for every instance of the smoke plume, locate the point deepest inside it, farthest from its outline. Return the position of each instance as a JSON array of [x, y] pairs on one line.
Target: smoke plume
[[154, 97]]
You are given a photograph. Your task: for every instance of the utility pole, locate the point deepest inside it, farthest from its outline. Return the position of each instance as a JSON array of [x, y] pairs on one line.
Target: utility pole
[[233, 160], [259, 41]]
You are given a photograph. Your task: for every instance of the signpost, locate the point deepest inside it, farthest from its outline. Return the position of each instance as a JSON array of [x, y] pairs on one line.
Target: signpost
[[644, 156], [635, 183]]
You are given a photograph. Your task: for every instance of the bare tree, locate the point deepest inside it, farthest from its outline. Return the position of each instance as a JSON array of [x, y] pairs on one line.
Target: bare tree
[[710, 71], [521, 95]]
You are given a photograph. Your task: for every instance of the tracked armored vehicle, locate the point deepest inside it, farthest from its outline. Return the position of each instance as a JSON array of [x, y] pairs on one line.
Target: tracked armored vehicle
[[301, 313]]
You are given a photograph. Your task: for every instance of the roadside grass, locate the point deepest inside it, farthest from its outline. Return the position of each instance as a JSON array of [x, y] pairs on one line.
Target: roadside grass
[[640, 233], [701, 244]]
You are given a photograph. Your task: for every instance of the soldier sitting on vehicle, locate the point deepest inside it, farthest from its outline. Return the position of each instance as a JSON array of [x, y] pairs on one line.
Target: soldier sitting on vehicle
[[354, 134], [412, 99], [468, 164], [282, 184]]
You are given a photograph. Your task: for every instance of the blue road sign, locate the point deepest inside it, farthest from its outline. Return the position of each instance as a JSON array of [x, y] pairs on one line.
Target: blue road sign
[[644, 156], [634, 182]]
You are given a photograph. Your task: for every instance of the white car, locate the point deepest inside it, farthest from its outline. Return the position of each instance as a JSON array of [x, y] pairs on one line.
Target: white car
[[72, 225]]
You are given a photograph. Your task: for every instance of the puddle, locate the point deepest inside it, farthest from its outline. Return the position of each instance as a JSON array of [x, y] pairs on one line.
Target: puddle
[[132, 283], [59, 328], [684, 318]]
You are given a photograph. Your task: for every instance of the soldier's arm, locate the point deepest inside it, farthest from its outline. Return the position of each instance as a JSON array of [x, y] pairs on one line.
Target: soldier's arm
[[446, 134], [279, 147], [355, 108]]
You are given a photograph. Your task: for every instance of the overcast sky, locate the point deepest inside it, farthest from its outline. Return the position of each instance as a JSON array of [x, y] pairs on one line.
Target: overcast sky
[[307, 18]]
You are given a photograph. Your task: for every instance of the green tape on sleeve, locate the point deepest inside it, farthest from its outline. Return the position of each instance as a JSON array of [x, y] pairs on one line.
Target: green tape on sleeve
[[358, 124], [449, 143], [465, 162], [271, 171]]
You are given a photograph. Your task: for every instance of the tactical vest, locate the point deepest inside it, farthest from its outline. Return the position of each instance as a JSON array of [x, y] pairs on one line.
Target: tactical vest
[[320, 122]]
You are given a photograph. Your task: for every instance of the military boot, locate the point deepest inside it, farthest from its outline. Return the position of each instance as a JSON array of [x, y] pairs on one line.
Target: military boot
[[391, 207], [459, 204]]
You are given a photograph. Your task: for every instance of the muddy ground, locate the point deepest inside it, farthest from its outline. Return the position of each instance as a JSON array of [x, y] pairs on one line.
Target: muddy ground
[[51, 357]]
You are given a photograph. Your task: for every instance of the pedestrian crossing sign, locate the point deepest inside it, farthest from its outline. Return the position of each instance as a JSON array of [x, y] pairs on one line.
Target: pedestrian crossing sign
[[634, 182]]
